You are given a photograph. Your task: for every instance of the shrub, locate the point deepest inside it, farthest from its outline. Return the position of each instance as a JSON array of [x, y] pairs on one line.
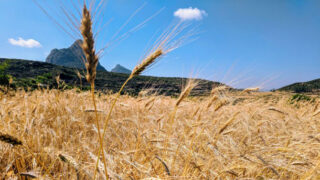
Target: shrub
[[46, 78], [300, 97], [4, 79], [3, 67]]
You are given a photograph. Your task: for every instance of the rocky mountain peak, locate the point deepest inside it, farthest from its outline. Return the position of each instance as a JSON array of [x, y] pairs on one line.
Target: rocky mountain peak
[[120, 69], [70, 57]]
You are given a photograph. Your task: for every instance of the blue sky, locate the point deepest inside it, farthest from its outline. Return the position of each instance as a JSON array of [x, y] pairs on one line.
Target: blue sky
[[244, 43]]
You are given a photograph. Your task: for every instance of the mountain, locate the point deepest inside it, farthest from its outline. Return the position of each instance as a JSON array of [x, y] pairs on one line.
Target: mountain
[[70, 57], [301, 87], [31, 74], [120, 69]]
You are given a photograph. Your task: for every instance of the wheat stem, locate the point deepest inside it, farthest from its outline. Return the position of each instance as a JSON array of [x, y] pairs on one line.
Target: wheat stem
[[99, 133], [108, 118], [91, 65]]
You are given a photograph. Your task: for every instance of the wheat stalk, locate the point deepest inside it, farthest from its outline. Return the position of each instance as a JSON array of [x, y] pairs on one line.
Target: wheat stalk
[[185, 93], [219, 89], [137, 70], [316, 113], [159, 51], [58, 80], [164, 164], [80, 78], [276, 110], [249, 90], [91, 65], [31, 175]]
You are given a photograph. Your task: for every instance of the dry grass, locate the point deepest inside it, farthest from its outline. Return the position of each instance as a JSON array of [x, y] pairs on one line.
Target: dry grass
[[260, 137]]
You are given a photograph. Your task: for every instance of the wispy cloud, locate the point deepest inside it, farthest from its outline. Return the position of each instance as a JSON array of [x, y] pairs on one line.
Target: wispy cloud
[[29, 43], [190, 14]]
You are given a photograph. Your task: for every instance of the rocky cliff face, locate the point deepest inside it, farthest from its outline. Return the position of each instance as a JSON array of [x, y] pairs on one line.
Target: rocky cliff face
[[120, 69], [70, 57]]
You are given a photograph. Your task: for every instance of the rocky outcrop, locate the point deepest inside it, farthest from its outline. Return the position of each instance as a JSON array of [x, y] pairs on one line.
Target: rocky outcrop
[[70, 57], [120, 69]]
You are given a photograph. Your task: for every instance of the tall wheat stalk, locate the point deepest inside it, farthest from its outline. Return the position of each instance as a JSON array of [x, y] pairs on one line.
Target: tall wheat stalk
[[136, 71], [91, 65], [80, 78], [160, 49], [92, 57], [184, 93]]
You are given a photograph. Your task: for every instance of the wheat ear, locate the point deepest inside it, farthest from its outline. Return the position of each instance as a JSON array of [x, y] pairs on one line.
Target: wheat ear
[[69, 160], [146, 62], [185, 93], [88, 45], [58, 80], [249, 90]]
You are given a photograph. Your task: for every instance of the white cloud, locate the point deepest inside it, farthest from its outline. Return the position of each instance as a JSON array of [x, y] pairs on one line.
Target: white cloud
[[29, 43], [190, 14]]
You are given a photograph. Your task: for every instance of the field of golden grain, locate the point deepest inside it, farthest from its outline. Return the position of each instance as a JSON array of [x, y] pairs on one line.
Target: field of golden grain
[[49, 134]]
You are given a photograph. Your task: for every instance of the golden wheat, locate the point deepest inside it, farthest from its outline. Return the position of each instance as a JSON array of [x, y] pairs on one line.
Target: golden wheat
[[146, 62], [257, 138], [88, 45], [219, 144]]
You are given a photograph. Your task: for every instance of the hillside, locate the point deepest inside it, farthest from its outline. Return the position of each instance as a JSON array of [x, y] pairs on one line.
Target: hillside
[[302, 87], [27, 73], [70, 57]]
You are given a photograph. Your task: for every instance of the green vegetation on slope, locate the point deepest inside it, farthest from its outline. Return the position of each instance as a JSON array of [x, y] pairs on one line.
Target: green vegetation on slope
[[303, 87], [4, 77], [32, 74]]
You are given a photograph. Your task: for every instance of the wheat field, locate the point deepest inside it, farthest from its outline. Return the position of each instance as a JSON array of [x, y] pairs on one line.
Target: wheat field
[[54, 134], [232, 136]]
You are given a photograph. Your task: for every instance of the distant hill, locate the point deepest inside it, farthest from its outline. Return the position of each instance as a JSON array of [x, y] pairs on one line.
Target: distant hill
[[120, 69], [301, 87], [70, 57], [33, 73]]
